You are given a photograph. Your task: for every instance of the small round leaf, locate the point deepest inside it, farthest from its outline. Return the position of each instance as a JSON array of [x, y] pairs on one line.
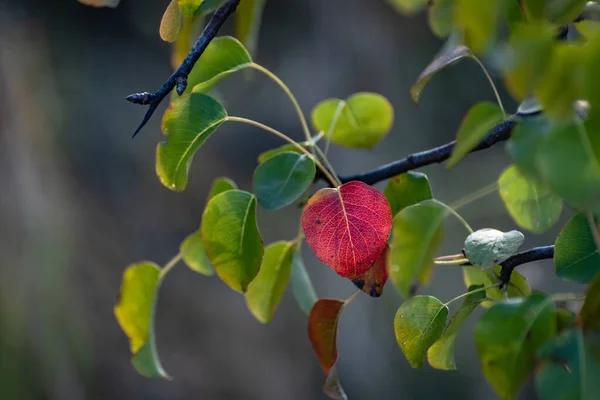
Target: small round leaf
[[486, 248], [407, 189], [171, 23]]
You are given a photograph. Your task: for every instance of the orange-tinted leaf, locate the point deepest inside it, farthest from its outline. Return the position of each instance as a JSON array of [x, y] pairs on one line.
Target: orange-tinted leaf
[[372, 281], [322, 330], [348, 227]]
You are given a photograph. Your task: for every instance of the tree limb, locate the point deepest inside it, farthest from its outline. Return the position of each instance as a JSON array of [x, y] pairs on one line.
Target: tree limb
[[524, 257], [179, 78]]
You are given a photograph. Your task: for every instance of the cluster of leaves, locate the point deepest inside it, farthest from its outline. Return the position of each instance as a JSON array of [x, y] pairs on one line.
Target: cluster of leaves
[[366, 235]]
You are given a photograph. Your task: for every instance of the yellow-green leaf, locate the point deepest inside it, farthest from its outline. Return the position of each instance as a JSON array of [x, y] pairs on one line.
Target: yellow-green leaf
[[478, 20], [408, 7], [171, 23], [518, 286], [194, 255], [248, 18]]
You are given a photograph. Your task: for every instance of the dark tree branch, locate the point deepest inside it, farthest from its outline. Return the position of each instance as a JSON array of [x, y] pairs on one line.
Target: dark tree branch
[[535, 254], [179, 78]]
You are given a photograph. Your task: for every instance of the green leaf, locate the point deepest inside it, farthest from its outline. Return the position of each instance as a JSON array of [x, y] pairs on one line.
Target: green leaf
[[408, 7], [189, 7], [569, 367], [507, 337], [486, 248], [517, 286], [266, 290], [100, 3], [221, 185], [448, 56], [360, 121], [478, 20], [223, 56], [531, 204], [248, 17], [568, 163], [525, 142], [135, 313], [527, 56], [480, 119], [441, 354], [171, 23], [188, 122], [562, 12], [419, 323], [440, 17], [262, 157], [407, 189], [194, 255], [590, 311], [232, 240], [282, 179], [576, 255], [591, 67], [416, 236], [209, 6], [302, 286]]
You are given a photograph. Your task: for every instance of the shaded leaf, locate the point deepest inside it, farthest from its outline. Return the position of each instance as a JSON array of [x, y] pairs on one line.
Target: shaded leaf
[[591, 66], [576, 255], [221, 185], [480, 119], [590, 311], [531, 204], [231, 237], [440, 17], [282, 179], [223, 56], [407, 189], [517, 287], [416, 237], [194, 255], [486, 248], [248, 17], [360, 121], [171, 23], [445, 58], [302, 286], [372, 281], [419, 323], [525, 142], [479, 21], [562, 12], [188, 122], [265, 291], [209, 6], [507, 337], [322, 331], [408, 7], [441, 354], [347, 227], [100, 3]]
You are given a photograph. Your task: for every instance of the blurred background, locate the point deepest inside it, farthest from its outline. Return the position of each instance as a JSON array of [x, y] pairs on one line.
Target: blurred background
[[79, 201]]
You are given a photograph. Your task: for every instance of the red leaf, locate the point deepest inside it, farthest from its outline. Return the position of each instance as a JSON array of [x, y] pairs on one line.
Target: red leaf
[[322, 330], [372, 281], [348, 227]]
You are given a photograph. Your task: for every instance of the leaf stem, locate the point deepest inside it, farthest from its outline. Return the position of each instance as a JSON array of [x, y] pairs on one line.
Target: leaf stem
[[333, 123], [457, 261], [491, 81], [324, 159], [169, 266], [471, 292], [484, 191], [457, 215], [351, 298], [333, 180]]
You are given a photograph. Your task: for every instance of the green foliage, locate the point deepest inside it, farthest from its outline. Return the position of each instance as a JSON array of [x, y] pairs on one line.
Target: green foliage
[[247, 22], [531, 204], [262, 157], [407, 189], [517, 287], [440, 17], [480, 119], [171, 23], [265, 291], [487, 247], [189, 7], [507, 337], [231, 237], [525, 142], [282, 179], [559, 12], [302, 287], [360, 121], [591, 306], [576, 253], [221, 185], [419, 323], [194, 255], [408, 6], [478, 20]]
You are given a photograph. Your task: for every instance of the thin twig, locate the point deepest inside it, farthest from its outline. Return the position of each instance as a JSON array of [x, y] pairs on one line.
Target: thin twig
[[179, 78], [524, 257]]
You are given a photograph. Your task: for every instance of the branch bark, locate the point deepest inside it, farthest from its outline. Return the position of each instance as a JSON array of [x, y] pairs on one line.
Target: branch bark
[[534, 254], [179, 78]]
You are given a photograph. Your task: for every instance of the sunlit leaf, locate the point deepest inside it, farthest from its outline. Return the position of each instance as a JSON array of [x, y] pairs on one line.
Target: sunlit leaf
[[480, 119], [171, 23], [419, 323], [221, 185], [507, 337], [282, 179], [372, 281], [440, 17], [231, 237], [135, 313], [527, 56], [417, 234], [576, 255], [302, 286], [590, 311], [531, 204], [486, 248], [347, 227], [445, 58], [360, 121], [248, 17], [100, 3], [441, 354], [407, 189], [568, 163], [223, 56], [189, 7], [194, 255], [188, 122], [517, 287], [265, 291], [478, 20], [525, 142], [408, 7], [322, 330]]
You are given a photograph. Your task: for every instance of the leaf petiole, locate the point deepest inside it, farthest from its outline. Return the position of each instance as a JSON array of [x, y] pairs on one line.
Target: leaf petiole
[[471, 292]]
